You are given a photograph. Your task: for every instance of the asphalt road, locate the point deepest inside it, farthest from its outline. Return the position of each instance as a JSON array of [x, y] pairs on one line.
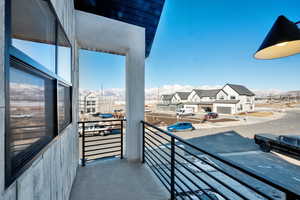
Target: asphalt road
[[237, 144]]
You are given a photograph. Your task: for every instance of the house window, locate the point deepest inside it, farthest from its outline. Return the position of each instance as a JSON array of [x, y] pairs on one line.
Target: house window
[[38, 107], [222, 97], [232, 97]]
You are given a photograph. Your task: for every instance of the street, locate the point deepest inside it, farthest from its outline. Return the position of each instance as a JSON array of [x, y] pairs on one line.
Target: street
[[237, 144]]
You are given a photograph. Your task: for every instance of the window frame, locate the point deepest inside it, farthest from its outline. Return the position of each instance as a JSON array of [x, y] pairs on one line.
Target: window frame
[[60, 130], [40, 70]]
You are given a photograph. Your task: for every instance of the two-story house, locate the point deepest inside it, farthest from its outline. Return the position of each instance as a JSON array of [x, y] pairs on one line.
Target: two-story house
[[233, 99]]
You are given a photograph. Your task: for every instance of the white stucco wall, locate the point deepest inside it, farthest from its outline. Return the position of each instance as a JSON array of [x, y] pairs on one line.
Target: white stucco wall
[[107, 35]]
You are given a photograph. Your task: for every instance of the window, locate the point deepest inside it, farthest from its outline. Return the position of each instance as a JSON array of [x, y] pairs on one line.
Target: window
[[232, 97], [39, 83], [63, 56], [64, 106], [34, 30], [31, 116]]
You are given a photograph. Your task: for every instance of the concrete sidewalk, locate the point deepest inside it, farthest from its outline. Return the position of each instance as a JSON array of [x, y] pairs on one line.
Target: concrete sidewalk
[[115, 180]]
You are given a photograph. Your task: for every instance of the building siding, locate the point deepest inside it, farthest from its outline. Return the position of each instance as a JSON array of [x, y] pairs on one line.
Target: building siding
[[51, 175]]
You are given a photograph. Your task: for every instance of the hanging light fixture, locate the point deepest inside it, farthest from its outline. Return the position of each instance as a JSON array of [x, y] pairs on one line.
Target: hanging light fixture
[[282, 40]]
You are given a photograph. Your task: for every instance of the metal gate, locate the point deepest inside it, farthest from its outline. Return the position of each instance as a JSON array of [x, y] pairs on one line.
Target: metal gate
[[101, 139]]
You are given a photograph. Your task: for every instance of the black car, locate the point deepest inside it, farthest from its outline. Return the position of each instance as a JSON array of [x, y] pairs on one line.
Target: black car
[[287, 144]]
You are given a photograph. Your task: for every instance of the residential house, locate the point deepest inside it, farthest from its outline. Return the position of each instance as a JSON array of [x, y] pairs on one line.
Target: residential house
[[230, 99], [234, 99], [180, 97], [166, 98]]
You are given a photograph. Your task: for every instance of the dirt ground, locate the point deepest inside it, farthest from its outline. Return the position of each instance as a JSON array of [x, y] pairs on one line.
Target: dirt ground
[[162, 119], [280, 105], [258, 114]]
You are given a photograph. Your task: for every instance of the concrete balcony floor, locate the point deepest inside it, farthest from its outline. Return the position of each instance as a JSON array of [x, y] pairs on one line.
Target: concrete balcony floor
[[116, 180]]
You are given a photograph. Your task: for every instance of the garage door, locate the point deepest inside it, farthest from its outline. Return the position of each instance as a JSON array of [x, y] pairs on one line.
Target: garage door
[[224, 110]]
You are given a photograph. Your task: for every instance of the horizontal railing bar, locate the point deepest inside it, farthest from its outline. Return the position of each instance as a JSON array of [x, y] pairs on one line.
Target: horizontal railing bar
[[93, 145], [193, 184], [99, 149], [221, 170], [245, 170], [114, 142], [158, 176], [95, 154], [202, 180], [168, 161], [157, 135], [162, 163], [101, 158], [111, 138], [158, 141], [150, 159], [106, 120], [154, 163]]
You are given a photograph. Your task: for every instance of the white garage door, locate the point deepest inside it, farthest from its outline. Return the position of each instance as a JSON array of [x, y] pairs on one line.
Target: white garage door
[[224, 110]]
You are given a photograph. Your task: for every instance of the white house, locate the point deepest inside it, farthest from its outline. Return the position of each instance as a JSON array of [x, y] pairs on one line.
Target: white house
[[234, 99], [230, 99], [180, 97]]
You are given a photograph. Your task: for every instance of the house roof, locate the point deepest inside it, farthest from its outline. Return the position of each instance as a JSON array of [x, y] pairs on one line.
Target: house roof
[[167, 97], [241, 90], [183, 95], [227, 101], [144, 13], [207, 93]]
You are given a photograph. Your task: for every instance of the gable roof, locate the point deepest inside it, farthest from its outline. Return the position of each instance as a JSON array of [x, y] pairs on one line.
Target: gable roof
[[167, 97], [183, 95], [241, 90], [207, 93]]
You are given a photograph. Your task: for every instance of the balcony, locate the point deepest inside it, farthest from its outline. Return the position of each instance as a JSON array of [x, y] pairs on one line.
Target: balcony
[[115, 180], [171, 168]]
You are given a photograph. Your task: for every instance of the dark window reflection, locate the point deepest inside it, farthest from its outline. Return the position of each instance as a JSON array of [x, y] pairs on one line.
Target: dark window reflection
[[33, 31], [31, 119]]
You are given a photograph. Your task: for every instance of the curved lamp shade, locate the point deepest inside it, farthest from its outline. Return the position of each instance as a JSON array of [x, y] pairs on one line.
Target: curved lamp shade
[[282, 40]]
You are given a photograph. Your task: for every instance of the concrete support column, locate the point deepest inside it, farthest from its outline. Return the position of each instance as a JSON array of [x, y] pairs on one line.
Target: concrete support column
[[135, 98]]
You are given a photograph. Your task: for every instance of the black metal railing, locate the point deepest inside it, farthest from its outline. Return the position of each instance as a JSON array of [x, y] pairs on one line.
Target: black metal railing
[[101, 139], [189, 172]]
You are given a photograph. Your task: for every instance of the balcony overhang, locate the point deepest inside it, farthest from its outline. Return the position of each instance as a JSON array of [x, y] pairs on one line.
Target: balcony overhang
[[142, 13], [97, 33]]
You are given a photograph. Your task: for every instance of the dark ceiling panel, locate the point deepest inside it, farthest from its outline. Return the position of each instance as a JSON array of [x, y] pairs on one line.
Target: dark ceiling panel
[[145, 13]]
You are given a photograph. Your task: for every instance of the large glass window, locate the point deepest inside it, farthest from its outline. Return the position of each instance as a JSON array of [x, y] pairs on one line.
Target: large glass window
[[34, 31], [39, 82], [31, 114]]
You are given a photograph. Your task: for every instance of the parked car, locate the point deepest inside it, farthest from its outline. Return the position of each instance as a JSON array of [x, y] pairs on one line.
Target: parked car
[[211, 115], [181, 126], [105, 115], [185, 112], [288, 144]]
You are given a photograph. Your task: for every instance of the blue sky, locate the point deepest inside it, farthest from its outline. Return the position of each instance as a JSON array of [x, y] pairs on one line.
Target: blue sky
[[206, 42]]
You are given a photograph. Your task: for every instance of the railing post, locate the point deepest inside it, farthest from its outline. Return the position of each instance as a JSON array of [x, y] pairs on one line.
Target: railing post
[[173, 168], [121, 139], [83, 145], [143, 148]]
